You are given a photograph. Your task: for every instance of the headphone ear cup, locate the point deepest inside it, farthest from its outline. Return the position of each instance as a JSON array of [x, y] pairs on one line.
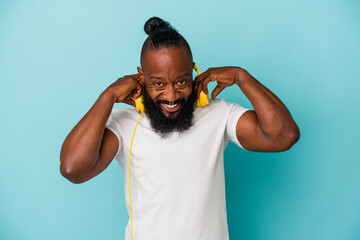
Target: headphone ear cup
[[139, 104], [203, 100]]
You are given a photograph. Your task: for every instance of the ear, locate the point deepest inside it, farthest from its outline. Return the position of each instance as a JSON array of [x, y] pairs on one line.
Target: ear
[[141, 73]]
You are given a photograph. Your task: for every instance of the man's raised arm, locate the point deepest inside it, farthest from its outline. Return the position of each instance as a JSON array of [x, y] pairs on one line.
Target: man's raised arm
[[270, 127], [90, 147]]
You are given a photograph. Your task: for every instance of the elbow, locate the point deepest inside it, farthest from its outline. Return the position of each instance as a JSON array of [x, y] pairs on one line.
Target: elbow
[[70, 174], [74, 168], [294, 134], [292, 137]]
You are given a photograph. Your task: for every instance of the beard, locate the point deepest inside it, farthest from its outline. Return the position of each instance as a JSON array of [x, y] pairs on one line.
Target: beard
[[164, 125]]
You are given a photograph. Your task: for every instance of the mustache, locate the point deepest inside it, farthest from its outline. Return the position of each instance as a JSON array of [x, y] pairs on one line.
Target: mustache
[[180, 100]]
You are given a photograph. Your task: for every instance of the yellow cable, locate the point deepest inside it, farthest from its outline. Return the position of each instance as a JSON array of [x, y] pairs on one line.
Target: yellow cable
[[130, 174]]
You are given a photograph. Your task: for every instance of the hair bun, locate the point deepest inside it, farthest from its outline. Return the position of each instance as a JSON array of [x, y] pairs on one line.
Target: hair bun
[[154, 24]]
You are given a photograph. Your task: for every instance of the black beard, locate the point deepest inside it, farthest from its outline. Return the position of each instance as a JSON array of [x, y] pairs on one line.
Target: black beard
[[164, 125]]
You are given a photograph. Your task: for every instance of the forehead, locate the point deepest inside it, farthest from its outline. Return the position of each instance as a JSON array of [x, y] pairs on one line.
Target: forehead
[[167, 60]]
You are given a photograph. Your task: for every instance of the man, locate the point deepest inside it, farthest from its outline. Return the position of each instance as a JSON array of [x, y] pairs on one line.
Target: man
[[177, 174]]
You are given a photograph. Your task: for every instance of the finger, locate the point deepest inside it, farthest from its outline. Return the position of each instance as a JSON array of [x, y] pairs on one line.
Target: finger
[[209, 77], [216, 91], [204, 84], [199, 78], [135, 76], [196, 82], [130, 102], [137, 92], [130, 94], [136, 79], [198, 90], [201, 86]]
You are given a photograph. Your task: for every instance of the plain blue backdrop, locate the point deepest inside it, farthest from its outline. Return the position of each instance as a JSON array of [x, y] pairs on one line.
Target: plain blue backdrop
[[56, 57]]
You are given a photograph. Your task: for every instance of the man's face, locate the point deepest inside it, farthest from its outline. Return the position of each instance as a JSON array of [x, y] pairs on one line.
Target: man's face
[[168, 89], [167, 77]]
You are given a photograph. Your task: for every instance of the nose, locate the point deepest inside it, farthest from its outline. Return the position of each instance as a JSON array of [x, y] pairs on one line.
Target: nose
[[171, 94]]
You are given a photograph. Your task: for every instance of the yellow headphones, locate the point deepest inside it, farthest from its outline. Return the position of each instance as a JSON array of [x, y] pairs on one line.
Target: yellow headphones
[[202, 101]]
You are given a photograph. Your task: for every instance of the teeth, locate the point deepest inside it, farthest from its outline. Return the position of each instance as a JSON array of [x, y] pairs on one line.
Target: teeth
[[170, 105]]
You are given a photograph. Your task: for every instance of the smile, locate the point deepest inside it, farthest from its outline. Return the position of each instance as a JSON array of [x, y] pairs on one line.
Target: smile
[[171, 107]]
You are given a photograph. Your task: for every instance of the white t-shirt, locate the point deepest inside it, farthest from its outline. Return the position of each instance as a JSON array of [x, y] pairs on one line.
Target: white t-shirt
[[177, 182]]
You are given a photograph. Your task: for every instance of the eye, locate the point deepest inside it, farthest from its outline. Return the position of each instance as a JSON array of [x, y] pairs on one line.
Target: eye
[[158, 84], [181, 82]]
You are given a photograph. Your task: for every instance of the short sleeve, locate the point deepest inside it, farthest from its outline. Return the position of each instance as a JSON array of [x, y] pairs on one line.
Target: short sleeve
[[236, 110], [111, 125]]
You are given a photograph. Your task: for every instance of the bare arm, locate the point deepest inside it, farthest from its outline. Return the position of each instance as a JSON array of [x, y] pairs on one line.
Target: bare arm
[[90, 147], [270, 127]]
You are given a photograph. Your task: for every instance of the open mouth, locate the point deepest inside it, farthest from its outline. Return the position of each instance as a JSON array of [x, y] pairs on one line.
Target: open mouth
[[171, 107]]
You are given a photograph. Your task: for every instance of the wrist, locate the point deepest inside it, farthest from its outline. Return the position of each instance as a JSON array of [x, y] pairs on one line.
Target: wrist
[[108, 95], [240, 76]]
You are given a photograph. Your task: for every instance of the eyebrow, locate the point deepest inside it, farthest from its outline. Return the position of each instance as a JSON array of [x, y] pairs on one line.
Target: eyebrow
[[183, 75]]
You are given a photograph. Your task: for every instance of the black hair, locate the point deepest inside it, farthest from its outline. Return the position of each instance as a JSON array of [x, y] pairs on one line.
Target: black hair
[[162, 34]]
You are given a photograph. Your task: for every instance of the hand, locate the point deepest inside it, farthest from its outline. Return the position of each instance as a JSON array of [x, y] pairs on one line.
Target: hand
[[126, 89], [225, 77]]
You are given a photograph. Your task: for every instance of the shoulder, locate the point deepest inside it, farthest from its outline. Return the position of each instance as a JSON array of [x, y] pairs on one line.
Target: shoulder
[[121, 114], [216, 105], [222, 103], [220, 108], [216, 108]]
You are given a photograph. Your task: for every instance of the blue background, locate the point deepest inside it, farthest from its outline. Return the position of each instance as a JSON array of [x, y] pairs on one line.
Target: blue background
[[56, 57]]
